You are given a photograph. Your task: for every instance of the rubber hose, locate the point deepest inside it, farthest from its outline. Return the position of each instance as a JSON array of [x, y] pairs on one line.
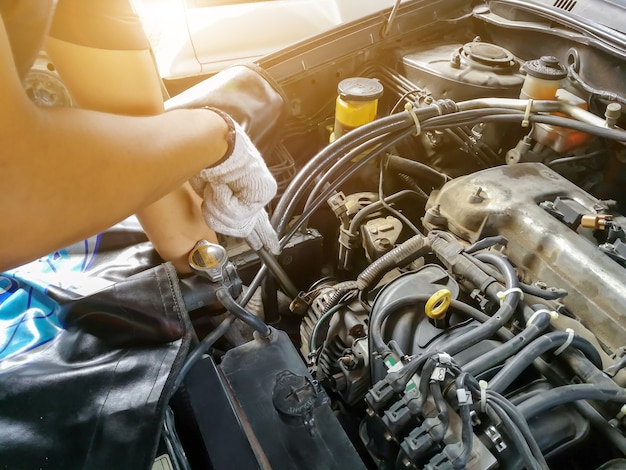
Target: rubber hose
[[396, 122], [379, 315], [400, 256], [543, 293], [306, 176], [360, 216], [495, 322], [521, 422], [207, 342], [399, 379], [442, 411], [258, 278], [485, 243], [552, 398], [279, 273], [223, 295], [501, 353], [467, 430], [515, 435], [526, 356], [347, 159], [414, 168]]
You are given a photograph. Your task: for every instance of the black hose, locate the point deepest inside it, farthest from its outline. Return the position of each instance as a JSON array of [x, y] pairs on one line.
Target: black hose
[[486, 242], [514, 433], [307, 175], [402, 121], [576, 158], [442, 411], [207, 342], [346, 159], [521, 422], [513, 414], [313, 348], [502, 315], [467, 431], [517, 437], [603, 94], [358, 218], [279, 273], [398, 379], [423, 386], [379, 315], [613, 435], [617, 135], [467, 117], [348, 173], [223, 295], [614, 368], [410, 182], [552, 294], [399, 215], [526, 356], [546, 294], [415, 168], [501, 353], [475, 116], [552, 398], [400, 256], [384, 143], [506, 270], [172, 442]]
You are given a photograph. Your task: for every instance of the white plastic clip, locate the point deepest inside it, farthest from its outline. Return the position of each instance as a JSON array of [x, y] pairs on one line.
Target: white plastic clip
[[439, 374], [502, 294], [444, 358], [526, 120], [483, 395], [408, 107], [568, 341], [464, 396]]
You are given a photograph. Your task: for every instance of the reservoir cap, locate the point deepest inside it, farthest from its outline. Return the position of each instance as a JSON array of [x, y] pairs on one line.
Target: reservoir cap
[[545, 68], [360, 89]]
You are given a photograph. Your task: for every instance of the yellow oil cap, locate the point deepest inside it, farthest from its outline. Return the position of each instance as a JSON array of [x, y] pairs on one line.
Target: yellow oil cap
[[437, 305]]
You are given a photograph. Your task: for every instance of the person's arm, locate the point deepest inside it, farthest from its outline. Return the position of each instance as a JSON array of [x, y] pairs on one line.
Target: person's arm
[[102, 53], [67, 174]]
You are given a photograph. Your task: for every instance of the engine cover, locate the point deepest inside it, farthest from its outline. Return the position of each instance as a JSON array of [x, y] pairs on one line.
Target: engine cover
[[506, 201]]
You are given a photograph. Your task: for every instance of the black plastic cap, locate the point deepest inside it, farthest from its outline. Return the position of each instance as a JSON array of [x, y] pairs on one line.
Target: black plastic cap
[[546, 68]]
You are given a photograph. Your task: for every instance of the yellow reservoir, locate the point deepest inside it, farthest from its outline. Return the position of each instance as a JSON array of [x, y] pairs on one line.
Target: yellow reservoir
[[356, 104], [543, 77]]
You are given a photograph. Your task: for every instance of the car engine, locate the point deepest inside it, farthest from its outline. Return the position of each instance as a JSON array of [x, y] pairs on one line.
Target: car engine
[[453, 267], [452, 288]]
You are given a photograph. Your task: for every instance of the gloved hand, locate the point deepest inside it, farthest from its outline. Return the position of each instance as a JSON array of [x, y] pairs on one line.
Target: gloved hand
[[235, 193]]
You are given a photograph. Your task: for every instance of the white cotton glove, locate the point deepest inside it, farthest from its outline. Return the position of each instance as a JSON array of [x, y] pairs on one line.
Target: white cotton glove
[[235, 193]]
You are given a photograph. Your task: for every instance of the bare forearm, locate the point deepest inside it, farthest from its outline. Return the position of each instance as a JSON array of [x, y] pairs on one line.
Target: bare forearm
[[87, 170]]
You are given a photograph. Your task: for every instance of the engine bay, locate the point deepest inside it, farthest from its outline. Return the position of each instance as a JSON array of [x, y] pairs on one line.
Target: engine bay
[[451, 288], [457, 261]]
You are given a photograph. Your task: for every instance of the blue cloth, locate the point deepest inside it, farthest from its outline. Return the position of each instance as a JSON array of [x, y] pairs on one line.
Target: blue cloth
[[27, 314]]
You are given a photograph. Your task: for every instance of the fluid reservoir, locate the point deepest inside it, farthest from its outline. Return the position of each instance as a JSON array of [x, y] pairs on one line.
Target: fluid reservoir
[[356, 104], [542, 78]]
